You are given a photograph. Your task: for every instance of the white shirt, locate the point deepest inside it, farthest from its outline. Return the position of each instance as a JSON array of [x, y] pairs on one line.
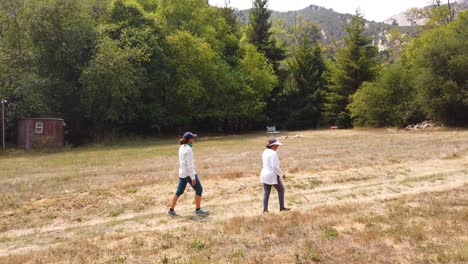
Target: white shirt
[[187, 165], [271, 168]]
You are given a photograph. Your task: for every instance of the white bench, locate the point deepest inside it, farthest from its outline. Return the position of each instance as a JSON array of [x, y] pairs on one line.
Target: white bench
[[271, 130]]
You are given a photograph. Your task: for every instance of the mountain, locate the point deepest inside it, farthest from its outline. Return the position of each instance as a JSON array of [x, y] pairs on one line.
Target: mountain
[[411, 18], [407, 18], [333, 24]]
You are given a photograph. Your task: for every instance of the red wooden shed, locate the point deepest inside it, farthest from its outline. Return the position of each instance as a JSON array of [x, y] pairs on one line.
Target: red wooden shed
[[40, 133]]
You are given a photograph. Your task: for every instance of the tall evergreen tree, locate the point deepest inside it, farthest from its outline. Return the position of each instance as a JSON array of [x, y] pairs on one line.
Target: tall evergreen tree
[[355, 64], [260, 35], [306, 82]]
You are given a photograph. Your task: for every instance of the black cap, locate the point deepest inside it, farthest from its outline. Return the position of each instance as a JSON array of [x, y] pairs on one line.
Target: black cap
[[189, 135]]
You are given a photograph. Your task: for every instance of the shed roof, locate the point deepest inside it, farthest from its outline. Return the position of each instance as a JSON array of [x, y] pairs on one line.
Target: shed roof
[[41, 118]]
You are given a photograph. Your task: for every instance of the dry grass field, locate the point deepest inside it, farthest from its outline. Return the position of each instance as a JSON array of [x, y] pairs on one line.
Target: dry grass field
[[358, 196]]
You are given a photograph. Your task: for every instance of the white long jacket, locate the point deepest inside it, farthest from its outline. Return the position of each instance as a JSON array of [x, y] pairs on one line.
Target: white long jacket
[[271, 167], [187, 165]]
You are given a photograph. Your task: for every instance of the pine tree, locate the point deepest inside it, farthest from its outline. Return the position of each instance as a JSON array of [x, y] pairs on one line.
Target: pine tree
[[260, 35], [355, 64], [306, 82]]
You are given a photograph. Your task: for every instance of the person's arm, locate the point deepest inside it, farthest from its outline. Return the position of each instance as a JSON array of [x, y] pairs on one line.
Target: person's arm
[[276, 167], [191, 165]]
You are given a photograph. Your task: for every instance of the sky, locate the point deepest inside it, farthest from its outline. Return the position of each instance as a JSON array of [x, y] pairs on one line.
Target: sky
[[377, 10]]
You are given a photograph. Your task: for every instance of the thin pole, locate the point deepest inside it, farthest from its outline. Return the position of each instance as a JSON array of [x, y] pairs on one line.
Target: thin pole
[[3, 124]]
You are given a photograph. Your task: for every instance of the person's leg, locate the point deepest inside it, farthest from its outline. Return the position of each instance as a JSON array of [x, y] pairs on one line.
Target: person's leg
[[180, 190], [175, 198], [280, 188], [266, 196], [198, 192], [198, 197]]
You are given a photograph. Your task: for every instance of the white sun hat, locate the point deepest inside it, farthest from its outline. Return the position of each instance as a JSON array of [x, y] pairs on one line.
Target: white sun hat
[[274, 142]]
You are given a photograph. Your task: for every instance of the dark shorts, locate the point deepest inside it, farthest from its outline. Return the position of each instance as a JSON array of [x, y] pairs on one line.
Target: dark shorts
[[187, 180]]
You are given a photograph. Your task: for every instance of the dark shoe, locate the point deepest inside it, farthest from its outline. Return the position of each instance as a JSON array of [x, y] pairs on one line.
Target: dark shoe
[[265, 212], [202, 212], [285, 209], [172, 213]]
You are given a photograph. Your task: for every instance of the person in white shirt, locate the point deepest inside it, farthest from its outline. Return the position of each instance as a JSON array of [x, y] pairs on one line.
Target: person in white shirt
[[271, 174], [188, 175]]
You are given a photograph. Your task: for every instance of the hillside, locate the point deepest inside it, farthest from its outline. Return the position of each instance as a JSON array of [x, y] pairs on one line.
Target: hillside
[[408, 18], [333, 24]]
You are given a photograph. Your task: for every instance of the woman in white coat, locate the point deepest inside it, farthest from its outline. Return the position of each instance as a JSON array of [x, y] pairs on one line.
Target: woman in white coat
[[187, 175], [272, 175]]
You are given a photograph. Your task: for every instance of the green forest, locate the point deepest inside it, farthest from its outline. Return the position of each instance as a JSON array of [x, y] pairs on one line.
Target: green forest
[[158, 66]]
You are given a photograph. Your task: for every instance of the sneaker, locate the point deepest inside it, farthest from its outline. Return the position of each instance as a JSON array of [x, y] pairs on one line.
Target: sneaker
[[202, 212], [266, 212], [171, 213], [285, 209]]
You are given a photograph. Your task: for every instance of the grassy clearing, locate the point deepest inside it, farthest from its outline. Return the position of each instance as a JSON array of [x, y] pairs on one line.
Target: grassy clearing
[[428, 228], [359, 196]]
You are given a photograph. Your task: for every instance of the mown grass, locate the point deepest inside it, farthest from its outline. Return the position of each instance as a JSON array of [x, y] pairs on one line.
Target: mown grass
[[80, 185], [426, 228]]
